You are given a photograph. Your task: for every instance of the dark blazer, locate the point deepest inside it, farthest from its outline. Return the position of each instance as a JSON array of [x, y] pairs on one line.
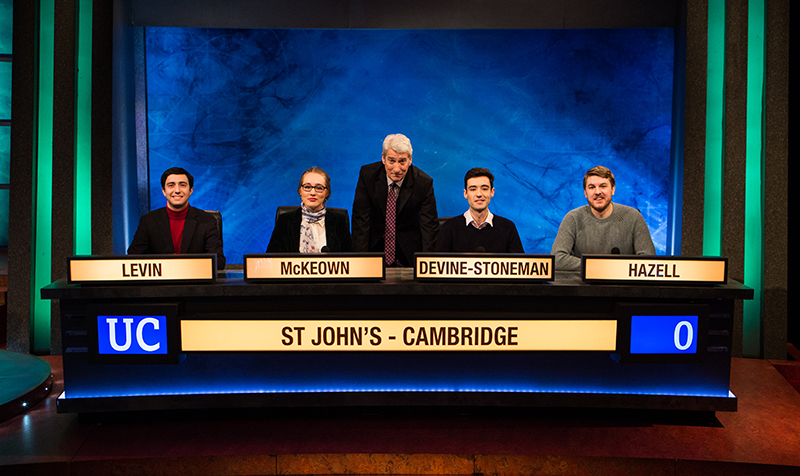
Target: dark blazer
[[416, 223], [200, 235], [286, 235]]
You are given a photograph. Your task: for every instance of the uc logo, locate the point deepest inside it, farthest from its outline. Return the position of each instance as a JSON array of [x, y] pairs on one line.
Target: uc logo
[[132, 334]]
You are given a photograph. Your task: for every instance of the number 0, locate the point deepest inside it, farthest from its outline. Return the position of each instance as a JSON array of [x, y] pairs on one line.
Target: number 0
[[689, 335]]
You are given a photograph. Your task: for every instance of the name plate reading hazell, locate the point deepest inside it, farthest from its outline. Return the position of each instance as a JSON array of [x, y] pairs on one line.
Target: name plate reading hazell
[[380, 335], [481, 267], [655, 269], [314, 267], [195, 268]]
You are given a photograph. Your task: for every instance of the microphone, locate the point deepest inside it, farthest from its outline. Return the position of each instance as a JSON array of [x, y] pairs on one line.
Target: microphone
[[480, 249], [615, 251], [324, 249]]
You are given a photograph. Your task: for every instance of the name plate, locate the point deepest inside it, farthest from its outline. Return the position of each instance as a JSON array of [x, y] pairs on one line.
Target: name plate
[[655, 269], [380, 335], [314, 267], [483, 267], [138, 269]]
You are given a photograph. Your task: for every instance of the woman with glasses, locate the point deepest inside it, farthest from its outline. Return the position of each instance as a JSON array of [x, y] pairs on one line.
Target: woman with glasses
[[312, 228]]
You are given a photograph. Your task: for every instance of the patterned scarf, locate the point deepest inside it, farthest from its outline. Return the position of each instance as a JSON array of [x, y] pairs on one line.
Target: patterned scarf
[[308, 244]]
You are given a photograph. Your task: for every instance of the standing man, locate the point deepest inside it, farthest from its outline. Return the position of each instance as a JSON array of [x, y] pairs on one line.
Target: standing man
[[179, 226], [478, 229], [394, 209], [600, 227]]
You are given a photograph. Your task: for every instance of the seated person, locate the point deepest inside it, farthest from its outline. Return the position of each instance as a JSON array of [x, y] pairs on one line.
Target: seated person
[[179, 228], [312, 227], [600, 227], [478, 229]]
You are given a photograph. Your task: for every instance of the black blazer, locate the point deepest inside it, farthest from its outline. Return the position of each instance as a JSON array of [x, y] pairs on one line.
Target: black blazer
[[286, 235], [416, 222], [200, 235]]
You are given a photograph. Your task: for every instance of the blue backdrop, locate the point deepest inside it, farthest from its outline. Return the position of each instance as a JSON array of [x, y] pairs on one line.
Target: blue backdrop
[[247, 110]]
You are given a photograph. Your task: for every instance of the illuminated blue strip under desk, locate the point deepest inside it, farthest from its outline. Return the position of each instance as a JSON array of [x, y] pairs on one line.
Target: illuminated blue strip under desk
[[396, 342]]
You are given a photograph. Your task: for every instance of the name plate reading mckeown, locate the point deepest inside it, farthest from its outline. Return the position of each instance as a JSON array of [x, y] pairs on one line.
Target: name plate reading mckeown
[[138, 269], [483, 267], [314, 267], [655, 269]]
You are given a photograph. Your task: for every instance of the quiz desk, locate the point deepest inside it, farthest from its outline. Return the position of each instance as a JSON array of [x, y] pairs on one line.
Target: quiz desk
[[337, 376]]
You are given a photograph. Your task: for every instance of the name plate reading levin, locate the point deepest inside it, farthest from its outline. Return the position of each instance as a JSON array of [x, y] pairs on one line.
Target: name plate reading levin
[[314, 267], [140, 269], [655, 269], [482, 266], [380, 335]]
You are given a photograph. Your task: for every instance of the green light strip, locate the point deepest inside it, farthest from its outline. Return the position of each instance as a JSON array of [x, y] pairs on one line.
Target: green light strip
[[754, 180], [82, 187], [43, 173], [715, 130]]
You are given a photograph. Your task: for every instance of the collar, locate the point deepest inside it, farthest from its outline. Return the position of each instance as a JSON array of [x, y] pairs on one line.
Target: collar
[[399, 184], [177, 215], [468, 216]]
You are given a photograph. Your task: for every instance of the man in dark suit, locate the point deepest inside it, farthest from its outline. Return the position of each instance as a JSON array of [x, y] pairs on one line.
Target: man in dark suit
[[178, 226], [394, 209]]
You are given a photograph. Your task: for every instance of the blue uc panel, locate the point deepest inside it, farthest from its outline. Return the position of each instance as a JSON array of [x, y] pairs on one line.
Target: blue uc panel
[[142, 335], [664, 334]]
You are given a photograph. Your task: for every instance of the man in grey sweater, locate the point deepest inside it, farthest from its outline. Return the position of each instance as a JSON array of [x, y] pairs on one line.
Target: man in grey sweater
[[600, 227]]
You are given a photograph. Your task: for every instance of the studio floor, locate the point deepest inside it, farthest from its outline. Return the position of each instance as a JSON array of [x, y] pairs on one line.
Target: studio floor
[[762, 437]]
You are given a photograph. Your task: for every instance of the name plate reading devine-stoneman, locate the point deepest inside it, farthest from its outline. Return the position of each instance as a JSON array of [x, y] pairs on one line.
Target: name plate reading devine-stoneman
[[139, 269], [314, 267], [655, 269], [484, 267]]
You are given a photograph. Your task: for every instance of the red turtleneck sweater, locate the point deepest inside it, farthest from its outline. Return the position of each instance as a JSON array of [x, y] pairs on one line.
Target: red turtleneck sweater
[[176, 221]]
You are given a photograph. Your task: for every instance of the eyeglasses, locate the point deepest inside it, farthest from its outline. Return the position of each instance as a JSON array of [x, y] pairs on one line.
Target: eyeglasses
[[307, 187]]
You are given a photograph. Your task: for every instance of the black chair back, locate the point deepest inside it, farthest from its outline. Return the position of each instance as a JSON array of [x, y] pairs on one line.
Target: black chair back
[[217, 216]]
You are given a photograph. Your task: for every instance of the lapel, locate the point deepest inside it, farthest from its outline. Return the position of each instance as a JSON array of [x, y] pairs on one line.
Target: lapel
[[294, 228], [164, 233], [331, 235], [381, 191], [407, 190], [188, 229]]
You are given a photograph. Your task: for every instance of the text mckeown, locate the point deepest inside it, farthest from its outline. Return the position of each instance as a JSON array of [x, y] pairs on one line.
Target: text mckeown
[[315, 268]]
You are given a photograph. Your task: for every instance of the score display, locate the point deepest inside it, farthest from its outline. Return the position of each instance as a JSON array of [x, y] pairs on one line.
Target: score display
[[664, 334]]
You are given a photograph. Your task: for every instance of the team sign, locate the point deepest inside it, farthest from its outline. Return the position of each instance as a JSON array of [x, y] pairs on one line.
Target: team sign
[[379, 335], [656, 268], [484, 267], [313, 267], [137, 269]]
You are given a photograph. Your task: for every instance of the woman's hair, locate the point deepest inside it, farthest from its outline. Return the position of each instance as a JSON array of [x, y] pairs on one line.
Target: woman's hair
[[317, 170]]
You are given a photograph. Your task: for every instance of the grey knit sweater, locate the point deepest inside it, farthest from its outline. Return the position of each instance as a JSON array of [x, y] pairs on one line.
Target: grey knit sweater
[[582, 233]]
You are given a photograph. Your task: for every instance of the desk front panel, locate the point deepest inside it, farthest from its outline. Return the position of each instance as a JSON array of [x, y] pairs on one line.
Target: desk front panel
[[466, 372]]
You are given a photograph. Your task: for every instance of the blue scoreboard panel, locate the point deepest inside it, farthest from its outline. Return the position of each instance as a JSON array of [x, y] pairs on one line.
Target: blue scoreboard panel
[[667, 333]]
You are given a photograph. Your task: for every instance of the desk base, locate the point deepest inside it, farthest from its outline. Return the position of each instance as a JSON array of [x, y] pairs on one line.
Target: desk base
[[395, 399]]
